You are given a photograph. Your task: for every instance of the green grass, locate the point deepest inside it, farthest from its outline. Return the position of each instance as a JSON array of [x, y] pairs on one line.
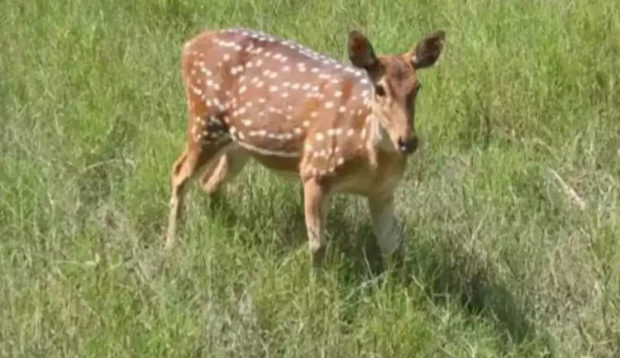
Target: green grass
[[511, 209]]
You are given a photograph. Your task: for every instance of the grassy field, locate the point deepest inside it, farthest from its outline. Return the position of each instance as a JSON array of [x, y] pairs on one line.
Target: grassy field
[[511, 209]]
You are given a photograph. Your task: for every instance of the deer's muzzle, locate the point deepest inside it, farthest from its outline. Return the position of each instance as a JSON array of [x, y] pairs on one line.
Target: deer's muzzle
[[408, 146]]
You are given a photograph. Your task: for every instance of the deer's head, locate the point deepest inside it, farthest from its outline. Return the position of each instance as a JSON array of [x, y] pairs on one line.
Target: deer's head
[[396, 85]]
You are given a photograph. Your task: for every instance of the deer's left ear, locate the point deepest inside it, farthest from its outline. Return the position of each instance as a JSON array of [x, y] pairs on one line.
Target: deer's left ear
[[363, 56], [428, 50]]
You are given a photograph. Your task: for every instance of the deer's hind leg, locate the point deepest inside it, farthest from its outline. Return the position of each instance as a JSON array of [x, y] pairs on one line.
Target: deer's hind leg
[[224, 169], [205, 144]]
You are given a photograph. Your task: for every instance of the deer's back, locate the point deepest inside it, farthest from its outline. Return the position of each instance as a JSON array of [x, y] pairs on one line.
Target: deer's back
[[280, 101]]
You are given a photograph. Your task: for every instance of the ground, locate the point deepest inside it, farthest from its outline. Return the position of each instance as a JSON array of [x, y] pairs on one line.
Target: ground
[[510, 209]]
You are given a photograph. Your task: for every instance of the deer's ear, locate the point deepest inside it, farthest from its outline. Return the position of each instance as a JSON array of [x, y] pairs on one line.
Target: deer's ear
[[362, 55], [428, 50]]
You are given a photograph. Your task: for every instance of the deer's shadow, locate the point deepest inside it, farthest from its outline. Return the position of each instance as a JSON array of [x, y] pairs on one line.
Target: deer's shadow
[[352, 243]]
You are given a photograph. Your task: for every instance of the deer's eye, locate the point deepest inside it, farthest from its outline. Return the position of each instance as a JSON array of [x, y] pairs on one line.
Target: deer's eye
[[380, 91]]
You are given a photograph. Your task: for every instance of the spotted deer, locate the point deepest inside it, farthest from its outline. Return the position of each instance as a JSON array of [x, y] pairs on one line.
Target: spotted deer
[[337, 127]]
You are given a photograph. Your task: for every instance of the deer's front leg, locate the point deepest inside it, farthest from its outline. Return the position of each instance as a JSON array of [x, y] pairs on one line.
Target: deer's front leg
[[384, 223], [315, 204]]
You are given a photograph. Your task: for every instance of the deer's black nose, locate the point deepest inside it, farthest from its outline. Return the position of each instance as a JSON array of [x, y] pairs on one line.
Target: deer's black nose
[[408, 146]]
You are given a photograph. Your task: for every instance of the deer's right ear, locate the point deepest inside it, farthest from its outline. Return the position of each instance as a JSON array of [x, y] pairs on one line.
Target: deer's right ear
[[362, 55]]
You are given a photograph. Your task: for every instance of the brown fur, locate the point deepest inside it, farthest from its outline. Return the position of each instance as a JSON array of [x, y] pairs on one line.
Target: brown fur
[[336, 127]]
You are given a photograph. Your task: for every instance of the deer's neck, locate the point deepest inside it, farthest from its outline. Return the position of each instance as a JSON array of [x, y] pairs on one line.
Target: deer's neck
[[377, 138]]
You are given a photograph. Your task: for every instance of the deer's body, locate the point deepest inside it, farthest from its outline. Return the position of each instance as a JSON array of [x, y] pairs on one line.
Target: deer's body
[[298, 113]]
